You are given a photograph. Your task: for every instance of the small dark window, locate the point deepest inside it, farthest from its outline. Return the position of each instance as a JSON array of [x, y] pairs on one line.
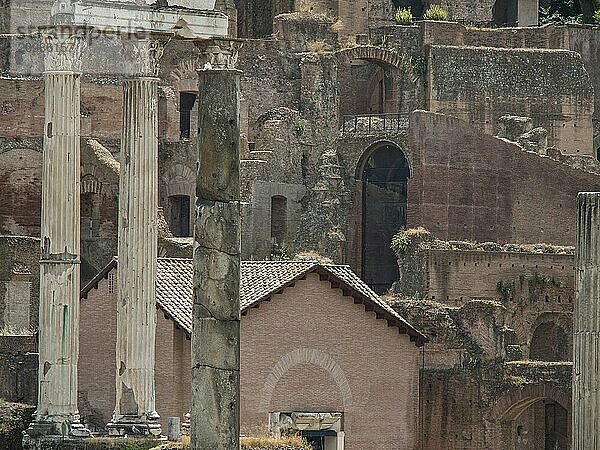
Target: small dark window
[[179, 215], [186, 104], [278, 219]]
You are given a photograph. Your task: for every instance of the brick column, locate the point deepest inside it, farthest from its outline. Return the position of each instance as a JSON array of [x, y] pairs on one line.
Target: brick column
[[135, 409], [215, 414], [57, 412], [586, 325]]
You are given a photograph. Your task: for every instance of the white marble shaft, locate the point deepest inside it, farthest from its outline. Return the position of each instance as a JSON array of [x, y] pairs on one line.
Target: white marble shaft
[[59, 264], [137, 250], [586, 326]]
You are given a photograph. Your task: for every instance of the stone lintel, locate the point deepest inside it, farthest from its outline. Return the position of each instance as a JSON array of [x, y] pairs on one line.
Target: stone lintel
[[133, 17]]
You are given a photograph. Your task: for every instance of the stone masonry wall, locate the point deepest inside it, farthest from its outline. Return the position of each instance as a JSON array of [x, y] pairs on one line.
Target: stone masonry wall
[[470, 186], [479, 85], [19, 279]]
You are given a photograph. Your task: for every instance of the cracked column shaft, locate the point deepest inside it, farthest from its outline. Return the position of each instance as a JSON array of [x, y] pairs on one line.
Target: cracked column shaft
[[135, 408], [586, 326], [215, 415], [57, 412]]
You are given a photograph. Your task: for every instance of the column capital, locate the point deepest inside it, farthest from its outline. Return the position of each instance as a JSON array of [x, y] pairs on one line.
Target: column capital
[[218, 53], [63, 47], [142, 54]]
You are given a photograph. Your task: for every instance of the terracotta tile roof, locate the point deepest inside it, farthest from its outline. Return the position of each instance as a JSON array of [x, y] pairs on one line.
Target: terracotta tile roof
[[175, 290], [259, 281]]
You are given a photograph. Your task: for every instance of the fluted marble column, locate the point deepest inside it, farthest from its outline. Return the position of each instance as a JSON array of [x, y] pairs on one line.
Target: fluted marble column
[[215, 414], [57, 412], [586, 325], [135, 409]]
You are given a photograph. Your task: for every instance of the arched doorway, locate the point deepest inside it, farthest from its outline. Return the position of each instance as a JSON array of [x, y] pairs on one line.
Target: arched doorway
[[384, 173], [534, 417], [505, 13], [538, 424]]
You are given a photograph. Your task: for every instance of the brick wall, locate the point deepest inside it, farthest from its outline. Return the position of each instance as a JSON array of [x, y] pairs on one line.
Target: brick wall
[[97, 368], [367, 371], [373, 381]]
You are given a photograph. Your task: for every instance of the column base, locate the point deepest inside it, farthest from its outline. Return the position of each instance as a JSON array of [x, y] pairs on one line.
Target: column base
[[48, 429], [134, 426]]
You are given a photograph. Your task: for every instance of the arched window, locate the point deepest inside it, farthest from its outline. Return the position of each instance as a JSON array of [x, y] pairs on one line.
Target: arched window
[[384, 175], [549, 343], [179, 215], [278, 219]]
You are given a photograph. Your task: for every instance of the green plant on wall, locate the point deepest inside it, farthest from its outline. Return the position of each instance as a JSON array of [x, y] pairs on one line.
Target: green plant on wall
[[505, 290], [419, 65], [300, 126], [404, 16], [435, 12], [597, 16]]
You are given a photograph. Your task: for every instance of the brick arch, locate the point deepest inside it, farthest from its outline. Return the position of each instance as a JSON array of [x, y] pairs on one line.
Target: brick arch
[[179, 179], [184, 75], [305, 356], [561, 321], [514, 402], [376, 55]]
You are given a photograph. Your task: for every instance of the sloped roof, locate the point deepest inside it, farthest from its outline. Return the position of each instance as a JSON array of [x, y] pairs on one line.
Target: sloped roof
[[259, 281]]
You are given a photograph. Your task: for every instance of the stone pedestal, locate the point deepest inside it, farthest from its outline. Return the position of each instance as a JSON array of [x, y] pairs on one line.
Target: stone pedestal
[[215, 415], [586, 325], [135, 411], [57, 412]]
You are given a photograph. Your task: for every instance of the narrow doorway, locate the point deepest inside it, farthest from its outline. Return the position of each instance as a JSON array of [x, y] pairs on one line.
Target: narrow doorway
[[179, 215], [384, 177]]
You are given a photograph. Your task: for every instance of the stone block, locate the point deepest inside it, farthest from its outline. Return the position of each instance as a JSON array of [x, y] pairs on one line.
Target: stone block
[[215, 395], [216, 343], [216, 284], [218, 226], [219, 136]]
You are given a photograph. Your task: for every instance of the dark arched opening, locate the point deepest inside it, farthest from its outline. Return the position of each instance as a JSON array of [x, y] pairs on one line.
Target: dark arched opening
[[549, 343], [540, 424], [384, 175], [278, 219], [505, 13], [179, 215]]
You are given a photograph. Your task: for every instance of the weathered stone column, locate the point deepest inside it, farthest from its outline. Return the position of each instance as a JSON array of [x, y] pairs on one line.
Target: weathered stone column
[[135, 410], [56, 412], [586, 325], [215, 415]]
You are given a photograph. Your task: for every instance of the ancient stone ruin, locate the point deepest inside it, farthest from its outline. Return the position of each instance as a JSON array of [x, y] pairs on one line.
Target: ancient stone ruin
[[309, 224]]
